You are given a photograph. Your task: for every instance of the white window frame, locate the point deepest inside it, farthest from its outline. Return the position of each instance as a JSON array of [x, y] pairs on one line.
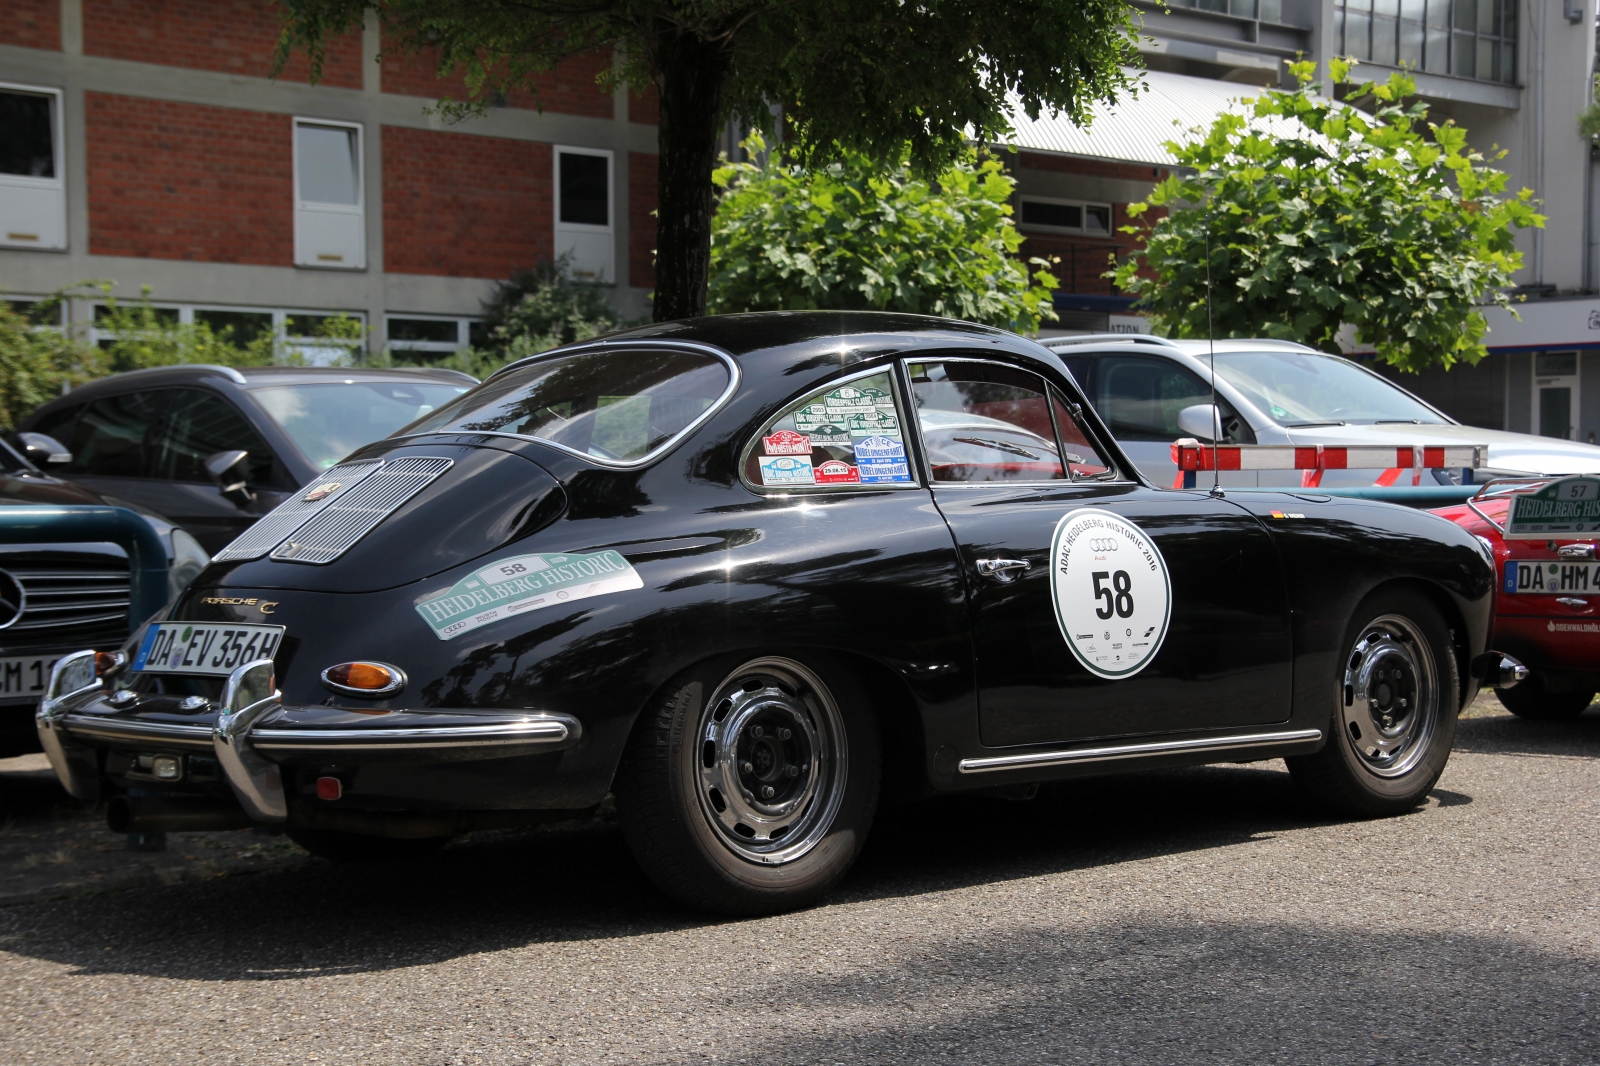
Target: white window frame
[[463, 333], [601, 267], [306, 213], [1084, 205], [58, 185]]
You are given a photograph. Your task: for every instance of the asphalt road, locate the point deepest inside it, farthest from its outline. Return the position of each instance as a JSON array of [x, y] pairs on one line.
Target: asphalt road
[[1184, 917]]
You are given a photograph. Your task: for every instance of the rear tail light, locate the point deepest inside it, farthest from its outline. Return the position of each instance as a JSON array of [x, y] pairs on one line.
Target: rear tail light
[[368, 679], [107, 661]]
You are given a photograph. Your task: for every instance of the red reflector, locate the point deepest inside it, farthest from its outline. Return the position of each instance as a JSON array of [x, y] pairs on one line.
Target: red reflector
[[329, 788]]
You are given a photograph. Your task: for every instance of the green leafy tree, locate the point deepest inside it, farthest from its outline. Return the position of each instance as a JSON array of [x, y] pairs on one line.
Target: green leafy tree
[[1319, 214], [37, 361], [850, 235], [861, 76]]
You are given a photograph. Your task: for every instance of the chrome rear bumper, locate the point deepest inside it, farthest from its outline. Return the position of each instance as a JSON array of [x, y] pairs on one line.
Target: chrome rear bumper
[[254, 732]]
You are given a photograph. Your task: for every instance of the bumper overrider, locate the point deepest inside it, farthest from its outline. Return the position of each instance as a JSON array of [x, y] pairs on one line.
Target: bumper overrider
[[252, 733]]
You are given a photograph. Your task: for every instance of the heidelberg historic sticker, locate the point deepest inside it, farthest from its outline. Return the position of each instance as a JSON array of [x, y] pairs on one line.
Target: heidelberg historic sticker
[[521, 583], [1111, 591]]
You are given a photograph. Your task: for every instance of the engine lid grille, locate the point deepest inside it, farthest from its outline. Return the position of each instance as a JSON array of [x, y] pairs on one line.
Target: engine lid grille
[[295, 512], [353, 515]]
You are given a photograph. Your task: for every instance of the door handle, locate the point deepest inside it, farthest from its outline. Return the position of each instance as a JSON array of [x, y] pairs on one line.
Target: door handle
[[1003, 569]]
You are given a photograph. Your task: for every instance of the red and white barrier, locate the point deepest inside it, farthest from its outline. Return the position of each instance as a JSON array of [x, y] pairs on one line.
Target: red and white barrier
[[1192, 457]]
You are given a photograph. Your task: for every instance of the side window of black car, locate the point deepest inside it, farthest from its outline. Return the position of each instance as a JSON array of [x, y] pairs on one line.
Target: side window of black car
[[110, 439], [1139, 396], [848, 435], [985, 422], [58, 424], [200, 424]]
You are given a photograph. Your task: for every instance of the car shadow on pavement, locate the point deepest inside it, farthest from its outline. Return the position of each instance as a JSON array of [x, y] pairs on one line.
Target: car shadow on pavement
[[1506, 734], [508, 890]]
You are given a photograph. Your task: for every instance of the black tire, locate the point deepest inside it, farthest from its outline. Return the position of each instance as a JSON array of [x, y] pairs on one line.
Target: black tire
[[725, 731], [1530, 700], [1385, 753], [335, 846]]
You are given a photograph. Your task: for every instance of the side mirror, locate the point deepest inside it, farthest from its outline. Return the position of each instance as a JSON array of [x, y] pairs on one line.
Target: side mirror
[[42, 449], [230, 470], [1203, 421]]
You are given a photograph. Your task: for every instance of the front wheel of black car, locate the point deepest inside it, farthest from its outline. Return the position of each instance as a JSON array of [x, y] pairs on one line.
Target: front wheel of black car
[[748, 787], [1394, 720]]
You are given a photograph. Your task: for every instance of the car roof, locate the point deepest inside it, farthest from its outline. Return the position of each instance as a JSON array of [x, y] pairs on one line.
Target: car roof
[[792, 340], [1187, 345], [255, 376]]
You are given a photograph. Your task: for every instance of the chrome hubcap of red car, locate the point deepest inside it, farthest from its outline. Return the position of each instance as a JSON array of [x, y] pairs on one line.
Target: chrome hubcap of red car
[[771, 763], [1391, 696]]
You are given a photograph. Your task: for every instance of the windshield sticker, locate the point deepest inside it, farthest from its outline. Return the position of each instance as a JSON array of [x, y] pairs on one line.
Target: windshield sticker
[[786, 442], [1111, 592], [524, 583], [817, 422], [848, 400], [881, 459], [785, 470], [874, 423], [837, 472]]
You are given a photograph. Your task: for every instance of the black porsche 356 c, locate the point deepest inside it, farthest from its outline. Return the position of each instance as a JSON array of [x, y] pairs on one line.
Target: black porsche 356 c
[[753, 575]]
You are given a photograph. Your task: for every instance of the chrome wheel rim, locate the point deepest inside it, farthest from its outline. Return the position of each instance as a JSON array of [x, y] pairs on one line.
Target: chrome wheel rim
[[1391, 696], [771, 761]]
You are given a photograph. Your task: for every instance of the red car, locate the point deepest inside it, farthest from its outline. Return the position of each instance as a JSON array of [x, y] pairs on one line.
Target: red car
[[1547, 609]]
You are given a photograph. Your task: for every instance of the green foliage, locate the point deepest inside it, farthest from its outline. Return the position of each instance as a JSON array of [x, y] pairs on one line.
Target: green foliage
[[1318, 214], [851, 77], [851, 236], [1589, 118], [36, 361]]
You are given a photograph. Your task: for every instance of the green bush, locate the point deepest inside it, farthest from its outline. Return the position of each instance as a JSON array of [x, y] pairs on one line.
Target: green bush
[[853, 236], [37, 361]]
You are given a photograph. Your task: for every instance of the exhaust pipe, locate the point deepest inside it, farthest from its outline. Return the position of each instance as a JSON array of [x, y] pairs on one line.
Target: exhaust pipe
[[173, 814]]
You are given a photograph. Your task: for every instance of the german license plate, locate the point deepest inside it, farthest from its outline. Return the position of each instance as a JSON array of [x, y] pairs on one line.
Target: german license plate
[[25, 676], [202, 648], [1552, 578]]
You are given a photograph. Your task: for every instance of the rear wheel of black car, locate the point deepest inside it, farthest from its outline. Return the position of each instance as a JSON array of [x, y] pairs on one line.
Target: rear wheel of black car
[[1531, 699], [749, 787], [357, 847], [1394, 721]]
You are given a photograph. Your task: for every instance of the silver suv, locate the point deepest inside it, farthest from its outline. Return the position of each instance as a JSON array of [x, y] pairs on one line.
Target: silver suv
[[1152, 391]]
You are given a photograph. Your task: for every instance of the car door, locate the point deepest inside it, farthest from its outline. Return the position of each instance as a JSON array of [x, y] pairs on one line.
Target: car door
[[195, 424], [1139, 397], [1009, 459], [110, 445]]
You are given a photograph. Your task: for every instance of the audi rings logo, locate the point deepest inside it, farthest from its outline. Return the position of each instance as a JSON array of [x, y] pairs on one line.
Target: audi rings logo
[[1103, 544], [13, 598]]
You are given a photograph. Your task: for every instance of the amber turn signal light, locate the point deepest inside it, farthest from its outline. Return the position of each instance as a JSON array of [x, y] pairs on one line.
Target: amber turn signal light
[[364, 679], [107, 661]]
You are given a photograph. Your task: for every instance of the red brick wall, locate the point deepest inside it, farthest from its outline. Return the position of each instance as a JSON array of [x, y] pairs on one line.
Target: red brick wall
[[569, 89], [183, 181], [228, 36], [641, 218], [31, 23], [462, 205], [645, 107], [1084, 259]]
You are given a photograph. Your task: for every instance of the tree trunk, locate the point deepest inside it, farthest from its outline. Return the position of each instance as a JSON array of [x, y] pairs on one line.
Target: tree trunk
[[691, 74]]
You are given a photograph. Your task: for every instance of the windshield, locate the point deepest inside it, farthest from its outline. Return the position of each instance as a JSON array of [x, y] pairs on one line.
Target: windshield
[[616, 405], [1304, 388], [329, 421]]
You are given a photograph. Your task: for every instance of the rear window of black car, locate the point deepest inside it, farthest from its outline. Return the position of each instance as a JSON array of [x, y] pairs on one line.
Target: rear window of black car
[[615, 406]]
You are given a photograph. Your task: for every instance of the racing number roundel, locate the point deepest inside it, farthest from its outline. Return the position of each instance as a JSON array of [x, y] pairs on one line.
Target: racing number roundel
[[1111, 591]]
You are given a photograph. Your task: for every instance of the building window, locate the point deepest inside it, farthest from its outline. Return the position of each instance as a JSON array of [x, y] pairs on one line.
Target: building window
[[33, 189], [428, 336], [1466, 38], [295, 332], [1065, 216], [330, 228], [583, 213]]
